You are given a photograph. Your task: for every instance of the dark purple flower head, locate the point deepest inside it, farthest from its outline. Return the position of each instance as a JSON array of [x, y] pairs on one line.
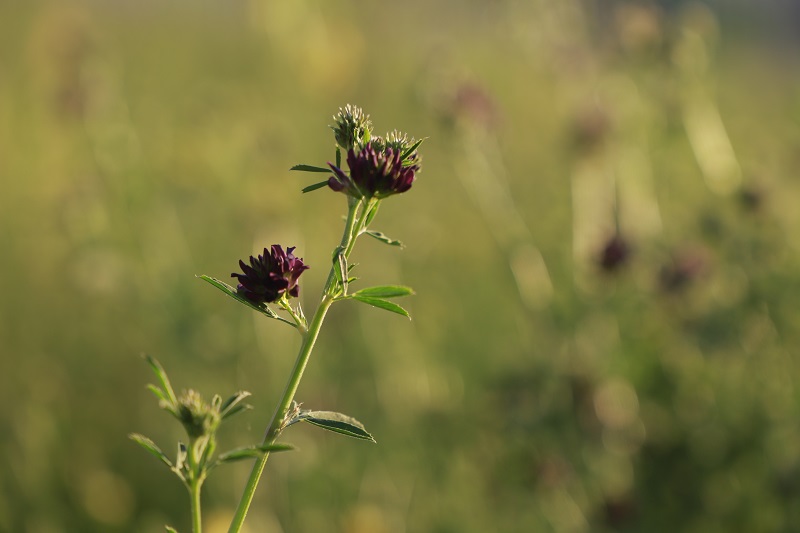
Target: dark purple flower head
[[373, 173], [270, 276]]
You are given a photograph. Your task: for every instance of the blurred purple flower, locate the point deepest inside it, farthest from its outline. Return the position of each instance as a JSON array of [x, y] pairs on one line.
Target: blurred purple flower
[[614, 254], [270, 276], [684, 268], [374, 173]]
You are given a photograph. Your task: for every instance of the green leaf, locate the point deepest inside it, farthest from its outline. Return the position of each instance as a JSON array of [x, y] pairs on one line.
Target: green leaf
[[411, 149], [384, 239], [382, 304], [250, 452], [161, 374], [158, 393], [340, 269], [316, 186], [338, 423], [171, 529], [151, 447], [311, 168], [385, 291], [232, 405], [338, 158], [237, 409], [230, 291]]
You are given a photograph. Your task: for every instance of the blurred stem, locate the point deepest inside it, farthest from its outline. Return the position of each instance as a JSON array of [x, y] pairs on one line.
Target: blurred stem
[[194, 492], [353, 226]]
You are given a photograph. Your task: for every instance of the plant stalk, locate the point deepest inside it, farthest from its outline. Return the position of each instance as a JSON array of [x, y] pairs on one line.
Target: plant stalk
[[351, 230], [197, 519]]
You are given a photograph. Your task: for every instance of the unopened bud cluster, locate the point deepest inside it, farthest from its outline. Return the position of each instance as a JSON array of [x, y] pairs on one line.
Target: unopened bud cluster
[[379, 166], [353, 127]]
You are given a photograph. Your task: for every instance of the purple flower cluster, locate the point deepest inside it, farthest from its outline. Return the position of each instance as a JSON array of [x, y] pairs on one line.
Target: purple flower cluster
[[270, 276], [374, 173]]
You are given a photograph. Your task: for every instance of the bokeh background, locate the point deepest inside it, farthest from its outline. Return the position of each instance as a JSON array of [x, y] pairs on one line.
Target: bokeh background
[[604, 240]]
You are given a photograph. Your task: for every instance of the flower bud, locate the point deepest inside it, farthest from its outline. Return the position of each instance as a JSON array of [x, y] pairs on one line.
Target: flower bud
[[198, 418], [353, 127]]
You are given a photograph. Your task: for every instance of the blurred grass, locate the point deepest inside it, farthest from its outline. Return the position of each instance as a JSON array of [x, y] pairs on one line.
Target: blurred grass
[[144, 143]]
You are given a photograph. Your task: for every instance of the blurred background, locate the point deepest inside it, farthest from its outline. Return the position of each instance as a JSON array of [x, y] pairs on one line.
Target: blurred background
[[604, 240]]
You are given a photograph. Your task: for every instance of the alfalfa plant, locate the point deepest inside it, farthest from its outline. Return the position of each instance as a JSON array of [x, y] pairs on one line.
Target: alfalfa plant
[[378, 167]]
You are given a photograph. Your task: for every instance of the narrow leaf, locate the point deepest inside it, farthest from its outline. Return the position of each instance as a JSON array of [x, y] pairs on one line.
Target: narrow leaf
[[338, 423], [372, 212], [338, 158], [233, 402], [385, 291], [236, 409], [340, 269], [171, 529], [311, 168], [316, 186], [384, 239], [230, 291], [161, 374], [411, 149], [250, 452], [158, 393], [275, 447], [382, 304], [163, 401], [151, 447]]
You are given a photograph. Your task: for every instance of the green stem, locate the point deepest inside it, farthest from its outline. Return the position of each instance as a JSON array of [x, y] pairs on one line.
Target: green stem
[[352, 227], [194, 493]]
